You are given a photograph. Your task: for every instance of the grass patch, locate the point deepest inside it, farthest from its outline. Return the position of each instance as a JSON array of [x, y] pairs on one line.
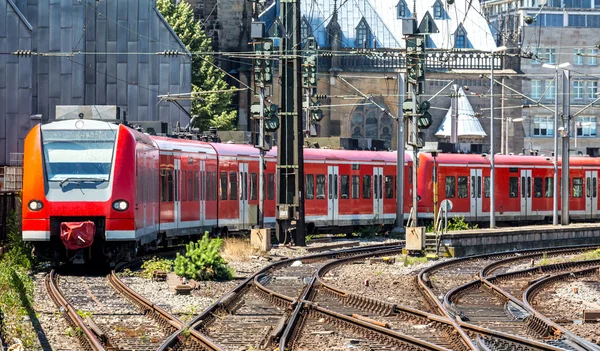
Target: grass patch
[[237, 249], [16, 300], [161, 264], [411, 260]]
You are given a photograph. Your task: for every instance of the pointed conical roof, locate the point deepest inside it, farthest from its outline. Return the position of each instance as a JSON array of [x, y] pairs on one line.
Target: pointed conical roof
[[468, 125]]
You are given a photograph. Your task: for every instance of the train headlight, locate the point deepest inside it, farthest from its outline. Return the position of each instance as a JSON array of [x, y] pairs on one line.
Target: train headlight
[[120, 205], [35, 205]]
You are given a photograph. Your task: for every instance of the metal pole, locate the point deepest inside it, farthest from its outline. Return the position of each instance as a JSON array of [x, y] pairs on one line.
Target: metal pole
[[261, 170], [504, 127], [400, 158], [565, 147], [555, 181], [492, 170], [454, 117], [415, 136], [307, 114]]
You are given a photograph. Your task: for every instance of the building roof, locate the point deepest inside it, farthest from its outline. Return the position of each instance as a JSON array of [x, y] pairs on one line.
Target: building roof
[[468, 124]]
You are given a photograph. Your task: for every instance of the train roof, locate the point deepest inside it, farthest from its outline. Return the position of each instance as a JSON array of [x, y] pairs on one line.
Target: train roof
[[508, 160], [185, 145]]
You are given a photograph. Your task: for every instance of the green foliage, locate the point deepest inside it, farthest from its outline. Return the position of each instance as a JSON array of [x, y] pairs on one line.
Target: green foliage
[[202, 261], [84, 314], [213, 109], [544, 261], [411, 260], [19, 252], [458, 223], [156, 263]]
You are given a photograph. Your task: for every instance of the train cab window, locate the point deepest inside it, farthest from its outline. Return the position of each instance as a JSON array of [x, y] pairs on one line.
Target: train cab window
[[537, 187], [233, 190], [486, 187], [355, 187], [463, 187], [253, 186], [549, 190], [223, 187], [190, 183], [366, 187], [196, 186], [320, 186], [345, 187], [389, 187], [310, 186], [270, 186], [450, 187], [513, 187], [577, 187]]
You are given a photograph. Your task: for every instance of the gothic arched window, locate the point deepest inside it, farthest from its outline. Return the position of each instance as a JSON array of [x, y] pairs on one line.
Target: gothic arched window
[[367, 121]]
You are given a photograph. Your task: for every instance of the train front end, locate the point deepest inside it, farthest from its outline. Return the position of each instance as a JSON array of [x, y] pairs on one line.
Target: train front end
[[77, 190]]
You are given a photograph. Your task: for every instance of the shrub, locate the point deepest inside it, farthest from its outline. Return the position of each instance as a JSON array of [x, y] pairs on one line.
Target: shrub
[[202, 261], [155, 263], [458, 223]]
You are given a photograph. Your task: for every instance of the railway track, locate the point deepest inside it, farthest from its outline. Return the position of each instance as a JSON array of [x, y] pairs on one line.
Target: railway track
[[105, 314]]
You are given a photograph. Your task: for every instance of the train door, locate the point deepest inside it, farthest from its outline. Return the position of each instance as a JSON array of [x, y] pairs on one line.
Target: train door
[[333, 198], [201, 190], [377, 192], [476, 200], [591, 193], [146, 196], [177, 203], [526, 192], [243, 196]]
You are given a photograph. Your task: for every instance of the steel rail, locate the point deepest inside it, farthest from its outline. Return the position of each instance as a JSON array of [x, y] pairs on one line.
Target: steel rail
[[87, 337]]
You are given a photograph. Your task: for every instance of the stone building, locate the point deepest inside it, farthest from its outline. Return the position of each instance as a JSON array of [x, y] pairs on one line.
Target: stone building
[[551, 33], [85, 52]]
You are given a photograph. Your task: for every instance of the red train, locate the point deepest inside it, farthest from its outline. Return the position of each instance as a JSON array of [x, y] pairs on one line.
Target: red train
[[94, 188]]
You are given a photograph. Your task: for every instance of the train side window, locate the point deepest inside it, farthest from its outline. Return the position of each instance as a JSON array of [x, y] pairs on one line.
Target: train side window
[[345, 187], [549, 189], [270, 186], [537, 187], [310, 186], [196, 185], [330, 187], [233, 191], [253, 186], [473, 185], [450, 187], [486, 187], [588, 183], [389, 187], [513, 187], [163, 185], [223, 187], [320, 186], [594, 187], [176, 184], [214, 184], [190, 189], [355, 187], [577, 187], [366, 187], [463, 187]]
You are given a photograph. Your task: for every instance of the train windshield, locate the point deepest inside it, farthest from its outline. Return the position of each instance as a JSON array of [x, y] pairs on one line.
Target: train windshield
[[78, 154]]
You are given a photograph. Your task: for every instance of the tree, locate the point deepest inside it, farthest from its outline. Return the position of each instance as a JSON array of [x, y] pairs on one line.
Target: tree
[[212, 109]]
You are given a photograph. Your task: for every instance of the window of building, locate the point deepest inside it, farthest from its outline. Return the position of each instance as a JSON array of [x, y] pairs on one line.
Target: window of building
[[592, 90], [463, 187], [345, 190], [550, 55], [578, 89], [310, 186], [581, 4], [460, 38], [320, 186], [363, 36], [536, 89], [233, 191], [438, 10], [578, 56], [223, 187], [355, 187], [538, 187], [593, 53], [450, 187], [549, 190], [486, 187], [366, 187], [389, 187], [271, 186], [543, 126], [550, 93], [253, 186], [513, 187], [401, 10], [577, 187], [586, 126]]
